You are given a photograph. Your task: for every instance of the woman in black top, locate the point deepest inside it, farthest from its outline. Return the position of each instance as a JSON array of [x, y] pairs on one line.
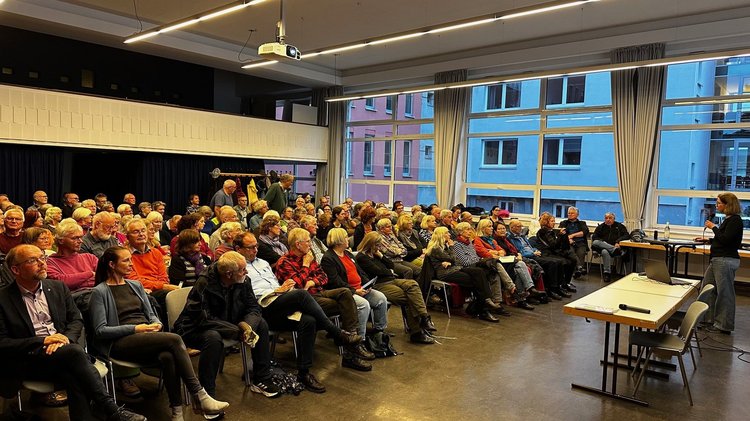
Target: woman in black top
[[724, 263]]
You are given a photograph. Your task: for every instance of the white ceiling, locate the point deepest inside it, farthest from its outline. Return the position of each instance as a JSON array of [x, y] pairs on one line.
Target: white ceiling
[[580, 35]]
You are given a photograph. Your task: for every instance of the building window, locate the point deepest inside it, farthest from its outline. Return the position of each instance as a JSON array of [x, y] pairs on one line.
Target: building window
[[389, 105], [507, 205], [504, 96], [87, 78], [430, 98], [562, 151], [348, 160], [499, 152], [566, 90], [406, 169], [428, 152], [387, 159], [367, 158], [370, 104], [560, 210], [409, 105]]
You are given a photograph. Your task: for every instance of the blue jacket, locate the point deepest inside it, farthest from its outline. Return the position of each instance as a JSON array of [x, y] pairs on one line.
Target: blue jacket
[[522, 244]]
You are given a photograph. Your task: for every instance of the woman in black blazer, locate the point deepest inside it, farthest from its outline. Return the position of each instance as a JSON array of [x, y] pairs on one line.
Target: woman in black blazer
[[403, 292]]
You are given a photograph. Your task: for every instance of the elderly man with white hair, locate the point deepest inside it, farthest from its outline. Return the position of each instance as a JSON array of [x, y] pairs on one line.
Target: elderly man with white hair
[[578, 236], [259, 209], [100, 237], [40, 198], [11, 236], [226, 214], [606, 240], [75, 269], [223, 197]]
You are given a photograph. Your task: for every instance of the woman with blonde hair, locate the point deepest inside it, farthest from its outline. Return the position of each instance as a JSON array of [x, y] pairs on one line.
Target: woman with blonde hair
[[410, 238], [428, 225], [52, 217], [443, 261], [83, 217], [402, 292]]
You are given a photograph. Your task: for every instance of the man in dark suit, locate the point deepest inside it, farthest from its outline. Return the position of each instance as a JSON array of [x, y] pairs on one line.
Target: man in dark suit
[[39, 330]]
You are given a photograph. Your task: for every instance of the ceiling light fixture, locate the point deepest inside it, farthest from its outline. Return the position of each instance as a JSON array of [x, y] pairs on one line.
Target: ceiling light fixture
[[719, 55], [544, 9], [200, 17], [259, 64]]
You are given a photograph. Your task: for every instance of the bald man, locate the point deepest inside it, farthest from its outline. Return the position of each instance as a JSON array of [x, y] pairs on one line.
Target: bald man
[[223, 197]]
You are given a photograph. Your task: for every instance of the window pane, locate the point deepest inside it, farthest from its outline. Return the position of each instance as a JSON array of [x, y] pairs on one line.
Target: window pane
[[524, 172], [518, 95], [708, 78], [510, 151], [576, 89], [367, 109], [387, 158], [694, 211], [411, 194], [704, 160], [407, 129], [579, 120], [389, 104], [419, 106], [584, 160], [421, 162], [379, 130], [555, 91], [590, 90], [516, 123], [521, 201], [491, 152], [361, 191], [736, 112], [592, 205], [366, 161]]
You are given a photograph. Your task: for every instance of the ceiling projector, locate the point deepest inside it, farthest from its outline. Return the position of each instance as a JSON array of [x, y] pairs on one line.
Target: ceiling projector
[[277, 49]]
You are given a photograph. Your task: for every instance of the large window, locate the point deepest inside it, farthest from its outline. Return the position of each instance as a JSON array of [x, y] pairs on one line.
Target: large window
[[557, 131], [386, 133], [704, 147]]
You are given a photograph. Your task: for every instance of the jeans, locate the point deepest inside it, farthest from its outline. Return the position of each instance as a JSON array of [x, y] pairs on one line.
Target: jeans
[[720, 273], [523, 277], [376, 302], [606, 250]]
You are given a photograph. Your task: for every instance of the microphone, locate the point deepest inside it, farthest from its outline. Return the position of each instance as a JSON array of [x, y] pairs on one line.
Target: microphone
[[636, 309]]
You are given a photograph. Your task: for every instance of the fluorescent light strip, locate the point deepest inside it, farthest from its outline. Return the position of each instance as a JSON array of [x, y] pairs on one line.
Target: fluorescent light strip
[[461, 26], [259, 64], [340, 49], [191, 21], [398, 38], [543, 9]]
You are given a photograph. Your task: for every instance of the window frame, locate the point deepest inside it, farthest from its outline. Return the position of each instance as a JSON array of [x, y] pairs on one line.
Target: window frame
[[406, 159], [500, 149], [561, 152]]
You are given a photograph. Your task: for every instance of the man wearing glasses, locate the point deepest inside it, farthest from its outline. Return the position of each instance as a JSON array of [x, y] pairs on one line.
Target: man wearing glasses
[[40, 199], [11, 237], [70, 201], [100, 237], [39, 330]]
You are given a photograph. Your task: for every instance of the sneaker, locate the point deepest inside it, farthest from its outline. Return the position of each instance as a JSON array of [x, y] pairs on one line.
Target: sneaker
[[128, 388], [266, 388]]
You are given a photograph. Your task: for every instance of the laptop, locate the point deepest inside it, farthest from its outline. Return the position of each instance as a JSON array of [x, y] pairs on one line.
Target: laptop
[[657, 270]]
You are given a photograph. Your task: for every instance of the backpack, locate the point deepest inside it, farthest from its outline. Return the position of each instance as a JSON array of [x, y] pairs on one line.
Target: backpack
[[379, 343], [637, 236]]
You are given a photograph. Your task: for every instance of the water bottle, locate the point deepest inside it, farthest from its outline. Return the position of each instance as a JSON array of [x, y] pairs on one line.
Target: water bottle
[[666, 231]]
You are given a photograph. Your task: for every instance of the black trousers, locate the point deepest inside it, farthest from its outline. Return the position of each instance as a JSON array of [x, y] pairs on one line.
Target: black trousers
[[70, 368], [313, 318], [553, 270], [166, 348], [474, 278], [211, 345]]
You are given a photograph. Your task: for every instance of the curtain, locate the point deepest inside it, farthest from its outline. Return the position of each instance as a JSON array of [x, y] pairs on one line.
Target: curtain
[[330, 176], [636, 96], [26, 169], [450, 115]]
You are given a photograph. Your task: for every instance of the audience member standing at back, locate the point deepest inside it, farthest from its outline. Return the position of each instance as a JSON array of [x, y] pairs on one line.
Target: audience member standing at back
[[276, 196], [223, 197]]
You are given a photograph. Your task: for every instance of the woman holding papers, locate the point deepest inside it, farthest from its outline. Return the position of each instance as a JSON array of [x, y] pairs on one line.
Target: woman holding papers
[[402, 292], [724, 263]]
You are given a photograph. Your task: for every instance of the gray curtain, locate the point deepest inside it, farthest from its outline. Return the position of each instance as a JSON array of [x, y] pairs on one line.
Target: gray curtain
[[319, 100], [636, 96], [450, 117], [329, 176]]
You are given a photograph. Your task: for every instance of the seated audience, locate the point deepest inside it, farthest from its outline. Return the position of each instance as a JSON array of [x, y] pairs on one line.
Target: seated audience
[[194, 221], [83, 217], [417, 215], [324, 225], [89, 204], [299, 265], [259, 209], [392, 249], [160, 207], [221, 306], [169, 230], [495, 216], [554, 273], [366, 224], [194, 203], [70, 202], [410, 239], [100, 237], [100, 200], [127, 328], [342, 271], [52, 217], [501, 239], [155, 220], [402, 292], [210, 222], [226, 214], [47, 347], [446, 220], [187, 261], [340, 219], [227, 232], [12, 235], [556, 244], [40, 237], [429, 223], [290, 300], [148, 263], [125, 210], [286, 218], [317, 247], [144, 208], [32, 218], [467, 217], [68, 265], [578, 235], [270, 247], [40, 199], [444, 264], [606, 240]]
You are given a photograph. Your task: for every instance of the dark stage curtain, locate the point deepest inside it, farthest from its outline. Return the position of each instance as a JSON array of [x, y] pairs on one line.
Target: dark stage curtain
[[25, 169]]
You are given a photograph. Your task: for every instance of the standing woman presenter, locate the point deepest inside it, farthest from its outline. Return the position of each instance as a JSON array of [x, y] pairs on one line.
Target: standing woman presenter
[[724, 263]]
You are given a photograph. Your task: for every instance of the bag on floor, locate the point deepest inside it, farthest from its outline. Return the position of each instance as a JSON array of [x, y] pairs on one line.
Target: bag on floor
[[379, 343]]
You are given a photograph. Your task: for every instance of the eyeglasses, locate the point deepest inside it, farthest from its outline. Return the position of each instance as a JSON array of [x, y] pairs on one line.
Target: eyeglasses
[[250, 247], [136, 232], [13, 218], [34, 260]]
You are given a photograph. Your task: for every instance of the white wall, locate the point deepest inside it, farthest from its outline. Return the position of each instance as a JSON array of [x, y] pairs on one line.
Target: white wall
[[48, 118]]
